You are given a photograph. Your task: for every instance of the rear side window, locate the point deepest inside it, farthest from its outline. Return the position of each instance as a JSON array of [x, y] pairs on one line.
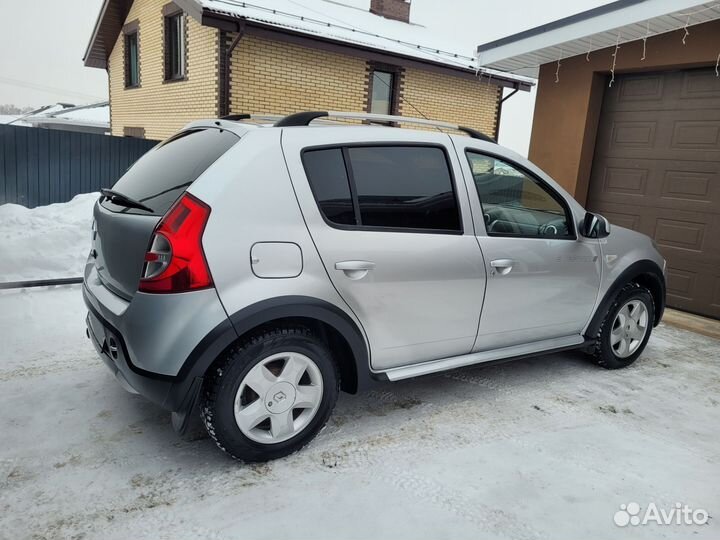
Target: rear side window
[[162, 175], [329, 182], [401, 188]]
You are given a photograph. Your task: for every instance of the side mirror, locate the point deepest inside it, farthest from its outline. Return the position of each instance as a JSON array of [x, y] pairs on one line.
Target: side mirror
[[595, 226]]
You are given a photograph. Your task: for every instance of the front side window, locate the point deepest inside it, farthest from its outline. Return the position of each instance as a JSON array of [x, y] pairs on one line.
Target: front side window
[[132, 63], [381, 99], [389, 187], [175, 46], [515, 203]]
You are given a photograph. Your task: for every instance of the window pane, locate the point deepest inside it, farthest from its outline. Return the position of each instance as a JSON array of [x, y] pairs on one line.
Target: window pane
[[326, 172], [404, 187], [381, 102], [132, 59], [159, 177], [514, 203], [174, 47]]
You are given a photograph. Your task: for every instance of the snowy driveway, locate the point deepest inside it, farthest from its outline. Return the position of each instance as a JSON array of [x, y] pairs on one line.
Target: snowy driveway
[[541, 448]]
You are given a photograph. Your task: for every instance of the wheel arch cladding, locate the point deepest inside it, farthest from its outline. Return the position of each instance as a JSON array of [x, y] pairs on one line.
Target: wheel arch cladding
[[328, 321], [646, 274]]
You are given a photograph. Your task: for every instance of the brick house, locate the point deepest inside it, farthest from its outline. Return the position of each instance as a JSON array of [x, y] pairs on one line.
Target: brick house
[[169, 63]]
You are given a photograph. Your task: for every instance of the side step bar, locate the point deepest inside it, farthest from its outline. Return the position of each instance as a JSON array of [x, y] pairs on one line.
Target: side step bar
[[506, 353]]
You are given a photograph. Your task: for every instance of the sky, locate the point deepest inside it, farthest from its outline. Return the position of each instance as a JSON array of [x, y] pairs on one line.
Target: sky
[[42, 43]]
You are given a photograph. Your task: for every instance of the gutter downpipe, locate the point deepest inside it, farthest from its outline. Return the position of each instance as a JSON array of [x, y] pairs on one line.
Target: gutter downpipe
[[500, 104], [226, 75]]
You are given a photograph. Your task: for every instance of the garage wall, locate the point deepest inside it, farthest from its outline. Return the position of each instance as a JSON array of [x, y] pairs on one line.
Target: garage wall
[[567, 112]]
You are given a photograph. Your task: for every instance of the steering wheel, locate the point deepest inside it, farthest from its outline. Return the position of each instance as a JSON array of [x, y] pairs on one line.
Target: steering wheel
[[503, 215], [555, 227]]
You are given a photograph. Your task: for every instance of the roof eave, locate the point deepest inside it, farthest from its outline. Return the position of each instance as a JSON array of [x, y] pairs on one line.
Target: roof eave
[[232, 24], [596, 21]]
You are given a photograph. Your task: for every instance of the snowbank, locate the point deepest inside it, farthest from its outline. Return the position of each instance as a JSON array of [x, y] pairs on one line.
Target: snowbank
[[45, 242]]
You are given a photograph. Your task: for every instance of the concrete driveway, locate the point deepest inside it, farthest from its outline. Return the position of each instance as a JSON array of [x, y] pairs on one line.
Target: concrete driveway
[[548, 447]]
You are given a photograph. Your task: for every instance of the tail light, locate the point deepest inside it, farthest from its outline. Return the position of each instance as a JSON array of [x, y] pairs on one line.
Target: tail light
[[175, 261]]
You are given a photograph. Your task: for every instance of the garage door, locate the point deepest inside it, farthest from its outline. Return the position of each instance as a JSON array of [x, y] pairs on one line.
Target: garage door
[[657, 170]]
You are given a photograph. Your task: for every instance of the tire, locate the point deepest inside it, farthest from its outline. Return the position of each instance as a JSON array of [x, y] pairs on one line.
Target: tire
[[297, 386], [610, 351]]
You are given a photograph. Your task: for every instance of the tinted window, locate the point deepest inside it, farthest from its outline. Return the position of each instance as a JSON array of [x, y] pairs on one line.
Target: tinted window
[[163, 174], [326, 172], [516, 204], [404, 187]]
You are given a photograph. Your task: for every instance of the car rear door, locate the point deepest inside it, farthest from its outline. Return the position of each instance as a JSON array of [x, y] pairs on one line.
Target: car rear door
[[543, 278], [391, 221]]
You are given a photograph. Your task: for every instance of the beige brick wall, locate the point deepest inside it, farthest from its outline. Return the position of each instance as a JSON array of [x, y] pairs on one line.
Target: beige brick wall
[[270, 77], [159, 107], [467, 102], [281, 78]]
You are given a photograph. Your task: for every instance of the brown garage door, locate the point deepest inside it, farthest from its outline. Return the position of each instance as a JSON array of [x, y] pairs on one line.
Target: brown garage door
[[657, 170]]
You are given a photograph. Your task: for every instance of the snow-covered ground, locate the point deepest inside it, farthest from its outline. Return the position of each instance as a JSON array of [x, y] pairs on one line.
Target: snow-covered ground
[[45, 242], [542, 448]]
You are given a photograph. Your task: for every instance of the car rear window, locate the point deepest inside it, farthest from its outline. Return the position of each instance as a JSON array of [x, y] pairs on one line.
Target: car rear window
[[162, 175]]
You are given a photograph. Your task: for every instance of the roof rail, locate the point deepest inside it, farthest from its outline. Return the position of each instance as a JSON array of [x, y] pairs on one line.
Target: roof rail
[[304, 119], [235, 117]]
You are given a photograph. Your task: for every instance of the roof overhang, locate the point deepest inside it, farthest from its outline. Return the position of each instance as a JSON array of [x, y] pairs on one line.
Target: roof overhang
[[233, 24], [622, 21], [114, 12]]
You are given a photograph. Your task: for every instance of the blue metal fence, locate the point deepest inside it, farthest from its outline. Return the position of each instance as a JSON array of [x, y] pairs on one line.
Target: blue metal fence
[[43, 166]]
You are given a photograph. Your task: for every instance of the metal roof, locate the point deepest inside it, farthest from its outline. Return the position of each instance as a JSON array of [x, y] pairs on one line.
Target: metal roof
[[605, 26], [316, 19]]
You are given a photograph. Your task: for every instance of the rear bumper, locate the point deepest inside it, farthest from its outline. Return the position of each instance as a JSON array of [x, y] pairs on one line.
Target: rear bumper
[[112, 349], [158, 349]]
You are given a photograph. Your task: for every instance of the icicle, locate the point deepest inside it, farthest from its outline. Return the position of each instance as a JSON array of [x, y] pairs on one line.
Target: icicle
[[647, 34], [687, 32], [587, 56], [557, 70], [614, 56]]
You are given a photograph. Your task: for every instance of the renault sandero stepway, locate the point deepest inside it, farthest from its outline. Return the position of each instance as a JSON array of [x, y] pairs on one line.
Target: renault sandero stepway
[[249, 272]]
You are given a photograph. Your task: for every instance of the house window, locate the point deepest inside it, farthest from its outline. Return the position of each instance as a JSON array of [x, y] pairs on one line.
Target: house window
[[132, 60], [381, 99], [175, 46]]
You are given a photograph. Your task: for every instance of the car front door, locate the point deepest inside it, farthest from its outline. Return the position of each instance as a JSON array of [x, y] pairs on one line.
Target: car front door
[[543, 278], [392, 225]]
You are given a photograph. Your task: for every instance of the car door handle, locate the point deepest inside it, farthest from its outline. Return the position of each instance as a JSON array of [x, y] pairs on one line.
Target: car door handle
[[355, 269], [503, 266]]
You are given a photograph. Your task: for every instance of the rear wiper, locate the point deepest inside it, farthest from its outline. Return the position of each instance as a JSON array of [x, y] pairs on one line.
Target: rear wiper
[[123, 200]]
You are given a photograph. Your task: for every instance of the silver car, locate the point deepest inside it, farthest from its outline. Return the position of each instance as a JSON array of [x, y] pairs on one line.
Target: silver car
[[253, 271]]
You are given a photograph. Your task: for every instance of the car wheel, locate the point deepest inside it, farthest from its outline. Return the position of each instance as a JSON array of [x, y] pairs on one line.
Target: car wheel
[[626, 328], [270, 395]]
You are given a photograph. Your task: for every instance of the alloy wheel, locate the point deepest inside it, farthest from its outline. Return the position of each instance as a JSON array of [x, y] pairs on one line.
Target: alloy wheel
[[629, 328], [278, 397]]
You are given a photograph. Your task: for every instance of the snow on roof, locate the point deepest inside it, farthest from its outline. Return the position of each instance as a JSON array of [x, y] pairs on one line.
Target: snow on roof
[[355, 26], [94, 114], [7, 118]]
